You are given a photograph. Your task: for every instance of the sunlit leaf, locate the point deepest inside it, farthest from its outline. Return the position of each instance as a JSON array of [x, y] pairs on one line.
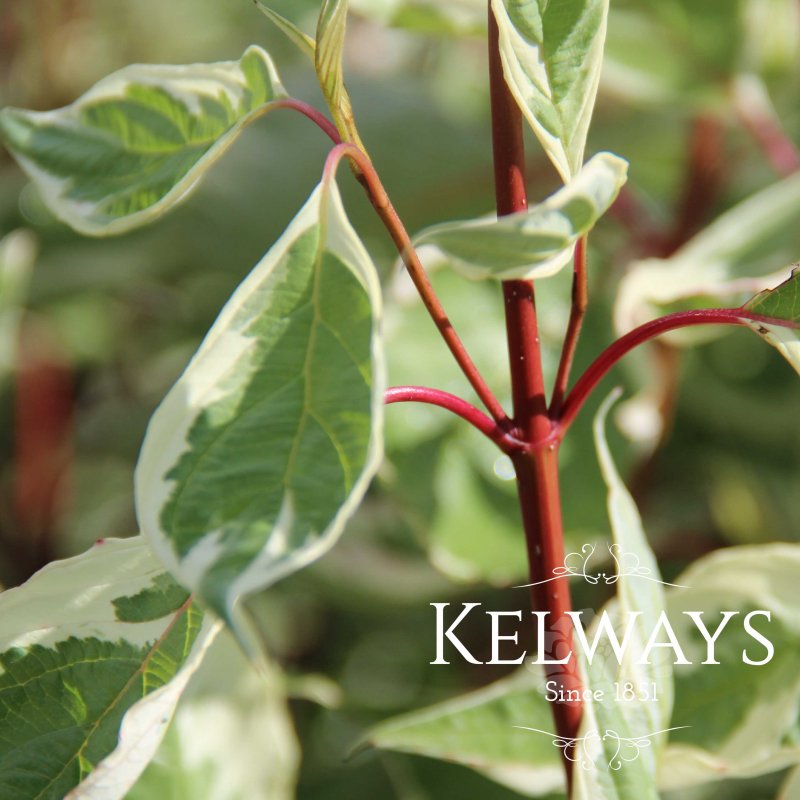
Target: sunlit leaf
[[782, 302], [94, 653], [538, 242], [266, 444], [135, 144], [552, 54]]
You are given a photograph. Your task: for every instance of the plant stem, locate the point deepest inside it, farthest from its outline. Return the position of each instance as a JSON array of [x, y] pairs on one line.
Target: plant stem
[[380, 201], [314, 114], [614, 352], [537, 466], [421, 394], [580, 301]]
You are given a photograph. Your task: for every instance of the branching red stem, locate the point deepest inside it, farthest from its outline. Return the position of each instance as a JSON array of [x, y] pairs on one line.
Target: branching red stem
[[380, 201], [461, 408], [537, 466], [580, 302], [614, 352]]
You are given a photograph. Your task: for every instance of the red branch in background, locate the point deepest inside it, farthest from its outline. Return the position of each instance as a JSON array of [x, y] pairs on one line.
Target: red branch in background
[[43, 409]]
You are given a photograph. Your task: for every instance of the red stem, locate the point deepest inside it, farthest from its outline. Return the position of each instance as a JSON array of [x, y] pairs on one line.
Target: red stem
[[380, 201], [614, 352], [580, 301], [537, 466], [314, 114], [461, 408]]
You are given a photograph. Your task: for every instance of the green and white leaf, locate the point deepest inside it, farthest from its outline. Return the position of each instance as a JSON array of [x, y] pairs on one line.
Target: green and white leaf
[[538, 242], [134, 145], [94, 653], [620, 741], [744, 720], [331, 28], [481, 730], [303, 41], [782, 302], [232, 737], [552, 53], [744, 251], [263, 449], [17, 256]]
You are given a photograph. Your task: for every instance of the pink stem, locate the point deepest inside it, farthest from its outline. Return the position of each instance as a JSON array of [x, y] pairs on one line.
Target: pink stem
[[315, 115], [457, 406], [612, 354]]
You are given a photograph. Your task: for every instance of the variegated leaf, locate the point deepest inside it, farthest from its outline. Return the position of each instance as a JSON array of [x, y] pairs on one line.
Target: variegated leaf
[[552, 53], [94, 653], [538, 242], [265, 446], [135, 144]]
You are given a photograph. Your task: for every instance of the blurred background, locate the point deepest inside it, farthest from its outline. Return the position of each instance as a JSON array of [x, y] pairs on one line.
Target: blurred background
[[94, 332]]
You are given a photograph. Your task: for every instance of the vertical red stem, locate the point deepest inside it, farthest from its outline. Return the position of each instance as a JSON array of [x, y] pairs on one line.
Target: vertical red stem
[[537, 466]]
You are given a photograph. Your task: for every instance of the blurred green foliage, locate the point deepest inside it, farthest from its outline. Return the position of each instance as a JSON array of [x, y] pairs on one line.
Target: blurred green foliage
[[125, 314]]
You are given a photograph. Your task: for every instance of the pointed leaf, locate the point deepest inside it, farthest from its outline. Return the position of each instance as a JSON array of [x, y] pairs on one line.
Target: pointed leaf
[[782, 302], [331, 28], [478, 730], [552, 53], [265, 446], [135, 144], [94, 654], [305, 43], [537, 242]]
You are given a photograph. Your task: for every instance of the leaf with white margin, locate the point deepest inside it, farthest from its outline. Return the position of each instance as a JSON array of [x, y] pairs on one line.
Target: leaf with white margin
[[716, 263], [744, 719], [538, 242], [94, 653], [639, 585], [136, 143], [552, 53], [17, 256], [780, 303], [619, 742], [232, 736], [263, 449]]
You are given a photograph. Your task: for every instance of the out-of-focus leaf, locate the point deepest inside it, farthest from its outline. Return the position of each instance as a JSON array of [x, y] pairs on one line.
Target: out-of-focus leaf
[[790, 790], [552, 54], [744, 719], [231, 738], [718, 262], [17, 256], [265, 446], [94, 653], [135, 144], [538, 242], [480, 730], [426, 16], [782, 302]]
